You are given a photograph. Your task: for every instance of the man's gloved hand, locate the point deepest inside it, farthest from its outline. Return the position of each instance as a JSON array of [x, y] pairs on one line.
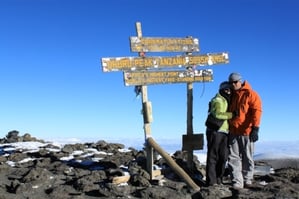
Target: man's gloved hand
[[235, 113], [254, 134]]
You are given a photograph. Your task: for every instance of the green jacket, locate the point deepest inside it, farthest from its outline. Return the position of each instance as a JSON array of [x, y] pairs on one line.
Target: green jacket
[[219, 110]]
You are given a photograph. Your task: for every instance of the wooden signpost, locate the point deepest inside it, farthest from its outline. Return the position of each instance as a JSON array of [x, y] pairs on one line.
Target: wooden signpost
[[142, 71]]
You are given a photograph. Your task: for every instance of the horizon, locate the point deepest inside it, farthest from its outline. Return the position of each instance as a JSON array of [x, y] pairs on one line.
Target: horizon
[[52, 83], [278, 147], [264, 150]]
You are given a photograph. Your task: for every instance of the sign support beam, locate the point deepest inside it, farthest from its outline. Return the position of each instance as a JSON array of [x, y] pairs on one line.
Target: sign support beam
[[147, 127], [190, 122]]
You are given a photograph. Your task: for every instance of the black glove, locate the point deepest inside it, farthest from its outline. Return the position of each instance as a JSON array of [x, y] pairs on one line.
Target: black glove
[[254, 134], [236, 113]]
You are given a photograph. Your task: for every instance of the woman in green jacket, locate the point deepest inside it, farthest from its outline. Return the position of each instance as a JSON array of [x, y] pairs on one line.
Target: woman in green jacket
[[217, 139]]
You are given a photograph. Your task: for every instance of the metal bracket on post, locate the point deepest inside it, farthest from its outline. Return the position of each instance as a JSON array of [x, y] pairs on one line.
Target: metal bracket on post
[[147, 115]]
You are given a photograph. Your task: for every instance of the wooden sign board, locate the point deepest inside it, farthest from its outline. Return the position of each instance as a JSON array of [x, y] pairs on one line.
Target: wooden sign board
[[152, 44], [163, 77], [192, 142], [137, 63]]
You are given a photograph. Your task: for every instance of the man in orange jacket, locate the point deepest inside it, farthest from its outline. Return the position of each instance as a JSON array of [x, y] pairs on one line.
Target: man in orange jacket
[[243, 131]]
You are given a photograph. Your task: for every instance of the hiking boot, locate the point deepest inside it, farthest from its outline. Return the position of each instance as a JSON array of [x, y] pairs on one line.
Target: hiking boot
[[248, 185], [237, 187], [219, 181]]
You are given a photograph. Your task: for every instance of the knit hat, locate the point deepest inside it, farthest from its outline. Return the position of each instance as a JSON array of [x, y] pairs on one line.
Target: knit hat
[[224, 85], [234, 77]]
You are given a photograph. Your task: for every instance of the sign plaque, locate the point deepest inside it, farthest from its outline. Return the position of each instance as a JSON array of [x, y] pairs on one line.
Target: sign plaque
[[158, 44], [142, 63], [163, 77]]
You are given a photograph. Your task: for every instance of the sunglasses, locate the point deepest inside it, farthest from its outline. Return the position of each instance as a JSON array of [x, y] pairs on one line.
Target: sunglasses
[[234, 82]]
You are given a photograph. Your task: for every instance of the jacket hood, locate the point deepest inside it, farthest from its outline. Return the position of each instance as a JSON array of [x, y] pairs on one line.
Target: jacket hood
[[245, 86]]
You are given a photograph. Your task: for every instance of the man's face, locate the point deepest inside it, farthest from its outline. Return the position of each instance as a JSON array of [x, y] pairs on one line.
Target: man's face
[[236, 85]]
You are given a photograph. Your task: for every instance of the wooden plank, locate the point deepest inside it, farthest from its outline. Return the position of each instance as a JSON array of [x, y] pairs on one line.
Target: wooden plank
[[137, 63], [120, 179], [163, 77], [158, 44], [157, 172], [192, 142]]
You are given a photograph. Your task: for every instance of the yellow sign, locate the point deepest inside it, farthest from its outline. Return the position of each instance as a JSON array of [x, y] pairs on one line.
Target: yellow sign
[[151, 44], [135, 63], [163, 77]]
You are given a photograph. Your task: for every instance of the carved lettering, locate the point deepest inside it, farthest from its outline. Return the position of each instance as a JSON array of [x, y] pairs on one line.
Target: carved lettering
[[144, 78], [135, 63], [148, 44]]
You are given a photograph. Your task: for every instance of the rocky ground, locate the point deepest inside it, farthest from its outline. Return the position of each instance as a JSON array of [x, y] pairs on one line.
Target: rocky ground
[[108, 170]]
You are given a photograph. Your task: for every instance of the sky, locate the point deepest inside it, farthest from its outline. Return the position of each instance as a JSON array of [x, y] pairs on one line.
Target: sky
[[52, 84]]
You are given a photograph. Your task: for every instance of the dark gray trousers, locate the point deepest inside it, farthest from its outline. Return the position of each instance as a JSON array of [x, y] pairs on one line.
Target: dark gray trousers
[[217, 155]]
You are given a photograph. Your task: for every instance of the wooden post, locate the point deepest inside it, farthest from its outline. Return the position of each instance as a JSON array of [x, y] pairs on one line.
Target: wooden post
[[147, 129], [190, 120], [176, 168], [190, 123]]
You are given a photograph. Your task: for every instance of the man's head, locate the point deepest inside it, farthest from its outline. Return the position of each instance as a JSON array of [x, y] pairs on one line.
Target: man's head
[[235, 79]]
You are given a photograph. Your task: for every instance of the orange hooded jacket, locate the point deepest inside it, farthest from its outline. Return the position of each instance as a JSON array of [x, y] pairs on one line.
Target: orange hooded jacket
[[249, 105]]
